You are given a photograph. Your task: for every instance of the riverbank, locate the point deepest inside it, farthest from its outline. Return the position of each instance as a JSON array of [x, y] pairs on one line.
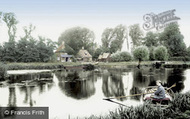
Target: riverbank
[[57, 66], [179, 108]]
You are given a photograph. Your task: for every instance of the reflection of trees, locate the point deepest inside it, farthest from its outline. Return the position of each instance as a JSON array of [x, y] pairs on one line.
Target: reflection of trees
[[12, 97], [28, 90], [78, 89], [135, 90], [176, 76], [76, 84], [141, 78], [112, 84]]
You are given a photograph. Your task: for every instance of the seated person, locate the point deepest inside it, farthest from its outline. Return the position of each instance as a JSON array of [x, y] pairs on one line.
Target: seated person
[[160, 92]]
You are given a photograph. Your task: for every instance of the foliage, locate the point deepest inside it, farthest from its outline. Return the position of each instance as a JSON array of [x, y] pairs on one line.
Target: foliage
[[112, 38], [151, 53], [121, 56], [27, 49], [161, 53], [172, 39], [178, 108], [136, 34], [3, 70], [10, 20], [141, 53], [97, 52], [75, 38], [151, 39]]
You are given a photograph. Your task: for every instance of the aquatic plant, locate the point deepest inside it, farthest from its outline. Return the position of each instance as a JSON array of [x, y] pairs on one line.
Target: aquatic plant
[[179, 108]]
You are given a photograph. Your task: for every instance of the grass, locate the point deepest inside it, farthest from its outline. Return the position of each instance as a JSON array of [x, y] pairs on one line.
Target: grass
[[179, 108], [20, 66]]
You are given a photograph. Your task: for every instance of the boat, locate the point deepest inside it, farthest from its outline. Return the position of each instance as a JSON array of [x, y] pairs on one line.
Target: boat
[[149, 91]]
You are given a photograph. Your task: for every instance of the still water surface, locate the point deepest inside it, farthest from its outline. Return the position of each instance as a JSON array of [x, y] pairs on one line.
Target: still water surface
[[80, 93]]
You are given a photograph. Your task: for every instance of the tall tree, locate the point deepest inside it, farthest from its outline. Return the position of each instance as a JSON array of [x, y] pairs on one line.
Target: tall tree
[[172, 38], [11, 22], [77, 37], [136, 34], [151, 39], [112, 39], [23, 51]]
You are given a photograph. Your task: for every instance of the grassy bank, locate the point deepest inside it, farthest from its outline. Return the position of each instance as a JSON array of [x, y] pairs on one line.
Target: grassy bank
[[179, 108], [20, 66]]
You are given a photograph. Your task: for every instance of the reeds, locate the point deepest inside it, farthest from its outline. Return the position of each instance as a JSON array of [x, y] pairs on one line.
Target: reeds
[[179, 108]]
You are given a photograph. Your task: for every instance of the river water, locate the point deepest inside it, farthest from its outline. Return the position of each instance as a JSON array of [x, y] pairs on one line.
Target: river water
[[80, 93]]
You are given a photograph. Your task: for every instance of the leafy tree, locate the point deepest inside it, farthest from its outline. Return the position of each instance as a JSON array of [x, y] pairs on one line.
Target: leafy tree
[[151, 53], [161, 53], [97, 52], [11, 22], [173, 40], [9, 51], [151, 39], [136, 34], [112, 39], [141, 53], [121, 56], [75, 38]]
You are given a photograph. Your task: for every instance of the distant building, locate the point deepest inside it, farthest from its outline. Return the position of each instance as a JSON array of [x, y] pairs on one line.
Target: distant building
[[84, 55], [61, 55], [105, 57]]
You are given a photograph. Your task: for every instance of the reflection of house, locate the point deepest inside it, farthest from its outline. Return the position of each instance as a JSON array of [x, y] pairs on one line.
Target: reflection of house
[[84, 55], [105, 57], [61, 55]]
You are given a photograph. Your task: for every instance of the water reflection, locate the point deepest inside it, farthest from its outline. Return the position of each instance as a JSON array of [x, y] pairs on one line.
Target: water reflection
[[76, 84], [112, 83], [86, 88]]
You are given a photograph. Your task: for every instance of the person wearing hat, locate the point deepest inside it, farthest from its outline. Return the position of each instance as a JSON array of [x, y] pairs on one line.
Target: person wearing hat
[[160, 92]]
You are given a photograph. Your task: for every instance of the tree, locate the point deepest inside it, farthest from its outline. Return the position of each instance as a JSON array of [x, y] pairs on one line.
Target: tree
[[75, 38], [151, 39], [97, 52], [23, 51], [136, 35], [112, 39], [11, 22], [121, 56], [173, 40], [141, 53], [161, 53]]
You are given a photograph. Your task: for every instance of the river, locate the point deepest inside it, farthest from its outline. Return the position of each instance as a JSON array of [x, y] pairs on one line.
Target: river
[[80, 93]]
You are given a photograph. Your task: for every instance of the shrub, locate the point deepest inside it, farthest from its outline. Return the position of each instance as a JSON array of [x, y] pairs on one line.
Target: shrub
[[141, 53], [3, 70], [121, 56], [161, 53]]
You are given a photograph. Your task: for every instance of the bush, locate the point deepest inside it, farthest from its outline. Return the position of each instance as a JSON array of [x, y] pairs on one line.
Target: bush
[[151, 54], [3, 70], [161, 53], [141, 53], [120, 57]]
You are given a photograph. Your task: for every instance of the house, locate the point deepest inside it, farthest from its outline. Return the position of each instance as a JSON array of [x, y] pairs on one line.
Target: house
[[84, 55], [105, 57], [61, 55]]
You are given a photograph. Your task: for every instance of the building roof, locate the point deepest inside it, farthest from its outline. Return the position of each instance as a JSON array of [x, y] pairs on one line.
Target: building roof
[[105, 55], [84, 54], [60, 48], [100, 57], [65, 55]]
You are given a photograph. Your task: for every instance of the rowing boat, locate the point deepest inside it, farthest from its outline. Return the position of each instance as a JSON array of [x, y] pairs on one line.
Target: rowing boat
[[149, 92]]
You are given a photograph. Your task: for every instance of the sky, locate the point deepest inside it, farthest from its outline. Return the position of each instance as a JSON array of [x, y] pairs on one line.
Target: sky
[[53, 17]]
